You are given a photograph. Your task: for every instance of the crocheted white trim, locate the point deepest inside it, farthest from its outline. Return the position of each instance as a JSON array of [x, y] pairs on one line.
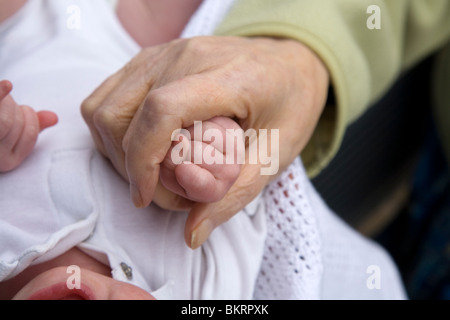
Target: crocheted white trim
[[292, 265], [207, 17]]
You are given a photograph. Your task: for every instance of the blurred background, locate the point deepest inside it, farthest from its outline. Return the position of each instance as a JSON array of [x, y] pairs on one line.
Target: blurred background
[[389, 181]]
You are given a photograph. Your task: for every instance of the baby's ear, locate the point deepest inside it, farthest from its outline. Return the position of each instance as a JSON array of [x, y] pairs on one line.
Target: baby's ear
[[46, 119]]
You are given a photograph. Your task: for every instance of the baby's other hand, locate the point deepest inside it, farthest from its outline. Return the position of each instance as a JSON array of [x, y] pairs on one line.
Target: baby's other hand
[[19, 128], [209, 179]]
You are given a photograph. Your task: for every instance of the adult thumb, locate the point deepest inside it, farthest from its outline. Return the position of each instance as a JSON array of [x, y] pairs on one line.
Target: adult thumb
[[205, 217]]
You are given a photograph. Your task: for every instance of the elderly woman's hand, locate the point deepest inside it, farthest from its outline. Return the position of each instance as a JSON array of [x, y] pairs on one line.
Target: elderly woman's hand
[[262, 83]]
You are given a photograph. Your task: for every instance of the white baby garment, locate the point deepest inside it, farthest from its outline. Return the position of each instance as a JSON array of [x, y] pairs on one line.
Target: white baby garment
[[56, 52], [287, 240]]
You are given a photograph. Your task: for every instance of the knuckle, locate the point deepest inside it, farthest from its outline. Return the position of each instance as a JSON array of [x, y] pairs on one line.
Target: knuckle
[[104, 119], [88, 108], [157, 99], [160, 101]]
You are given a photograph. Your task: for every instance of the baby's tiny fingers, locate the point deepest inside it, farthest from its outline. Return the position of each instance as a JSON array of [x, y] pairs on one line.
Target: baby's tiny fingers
[[5, 88], [27, 139], [20, 140], [8, 112], [179, 151], [198, 183], [12, 123]]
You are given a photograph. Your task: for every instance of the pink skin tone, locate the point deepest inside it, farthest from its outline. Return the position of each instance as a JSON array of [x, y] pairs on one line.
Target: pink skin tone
[[206, 181], [146, 20], [19, 130], [48, 281], [20, 126], [8, 8]]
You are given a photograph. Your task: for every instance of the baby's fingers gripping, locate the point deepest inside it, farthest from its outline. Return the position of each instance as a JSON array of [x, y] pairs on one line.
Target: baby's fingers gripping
[[7, 109]]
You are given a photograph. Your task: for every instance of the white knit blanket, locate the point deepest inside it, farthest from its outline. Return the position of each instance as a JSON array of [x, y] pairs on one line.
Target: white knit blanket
[[309, 252]]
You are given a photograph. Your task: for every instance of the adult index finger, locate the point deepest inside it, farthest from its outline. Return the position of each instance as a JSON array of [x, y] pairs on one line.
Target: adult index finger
[[166, 109], [205, 217]]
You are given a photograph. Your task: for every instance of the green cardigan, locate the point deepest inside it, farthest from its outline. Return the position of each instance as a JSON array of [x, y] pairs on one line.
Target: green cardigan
[[363, 61]]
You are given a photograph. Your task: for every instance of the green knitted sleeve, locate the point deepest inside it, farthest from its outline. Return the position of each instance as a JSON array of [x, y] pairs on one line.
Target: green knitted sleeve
[[365, 44]]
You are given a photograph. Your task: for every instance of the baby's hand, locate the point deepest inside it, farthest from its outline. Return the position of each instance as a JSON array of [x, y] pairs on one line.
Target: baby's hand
[[19, 128], [209, 179]]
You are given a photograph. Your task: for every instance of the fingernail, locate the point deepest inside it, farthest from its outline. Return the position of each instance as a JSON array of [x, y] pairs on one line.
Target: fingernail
[[136, 196], [201, 233]]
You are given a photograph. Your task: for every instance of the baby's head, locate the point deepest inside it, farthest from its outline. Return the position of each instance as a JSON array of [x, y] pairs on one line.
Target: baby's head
[[51, 281]]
